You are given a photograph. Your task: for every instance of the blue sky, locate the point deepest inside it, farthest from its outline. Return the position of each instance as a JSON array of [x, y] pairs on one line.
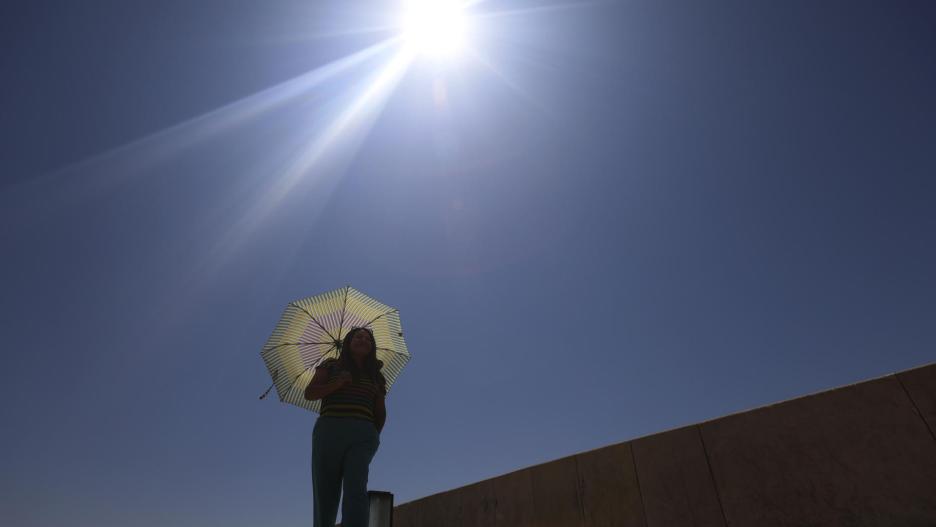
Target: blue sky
[[636, 216]]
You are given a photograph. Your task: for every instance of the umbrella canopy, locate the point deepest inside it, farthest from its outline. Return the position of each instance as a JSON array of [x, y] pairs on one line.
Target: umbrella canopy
[[311, 330]]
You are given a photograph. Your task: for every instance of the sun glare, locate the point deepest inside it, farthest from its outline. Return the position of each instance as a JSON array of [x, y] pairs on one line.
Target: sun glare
[[436, 28]]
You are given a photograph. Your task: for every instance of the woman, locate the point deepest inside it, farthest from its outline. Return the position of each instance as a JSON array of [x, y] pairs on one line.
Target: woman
[[347, 433]]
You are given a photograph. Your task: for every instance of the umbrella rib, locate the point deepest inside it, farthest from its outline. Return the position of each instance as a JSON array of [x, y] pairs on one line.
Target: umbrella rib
[[322, 358], [380, 315], [314, 320], [296, 344], [292, 385], [343, 307], [274, 382]]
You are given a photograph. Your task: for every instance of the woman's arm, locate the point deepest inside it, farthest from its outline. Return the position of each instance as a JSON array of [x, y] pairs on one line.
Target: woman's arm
[[319, 387]]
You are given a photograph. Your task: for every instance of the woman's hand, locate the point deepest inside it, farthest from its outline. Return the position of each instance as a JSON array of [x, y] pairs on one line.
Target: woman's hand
[[320, 385], [344, 377]]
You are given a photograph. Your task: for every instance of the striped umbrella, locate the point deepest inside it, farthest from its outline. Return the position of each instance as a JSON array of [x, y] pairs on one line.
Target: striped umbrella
[[311, 330]]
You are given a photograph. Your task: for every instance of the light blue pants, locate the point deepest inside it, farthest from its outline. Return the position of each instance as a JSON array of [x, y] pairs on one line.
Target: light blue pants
[[342, 449]]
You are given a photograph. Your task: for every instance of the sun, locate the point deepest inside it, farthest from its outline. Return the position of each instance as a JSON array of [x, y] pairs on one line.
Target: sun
[[435, 28]]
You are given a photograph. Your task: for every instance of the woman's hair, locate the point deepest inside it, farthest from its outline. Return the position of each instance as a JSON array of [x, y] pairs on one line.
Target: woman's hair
[[371, 366]]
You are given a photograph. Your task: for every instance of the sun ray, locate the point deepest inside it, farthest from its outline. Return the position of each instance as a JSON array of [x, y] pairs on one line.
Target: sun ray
[[100, 172], [386, 28], [335, 145]]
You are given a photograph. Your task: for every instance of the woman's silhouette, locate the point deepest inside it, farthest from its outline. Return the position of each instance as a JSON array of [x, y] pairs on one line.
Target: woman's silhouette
[[347, 433]]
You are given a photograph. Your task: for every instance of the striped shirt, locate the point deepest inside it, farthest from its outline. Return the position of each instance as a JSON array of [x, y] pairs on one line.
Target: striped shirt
[[354, 399]]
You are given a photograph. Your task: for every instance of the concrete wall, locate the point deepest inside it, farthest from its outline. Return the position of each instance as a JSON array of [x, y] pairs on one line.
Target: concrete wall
[[863, 454]]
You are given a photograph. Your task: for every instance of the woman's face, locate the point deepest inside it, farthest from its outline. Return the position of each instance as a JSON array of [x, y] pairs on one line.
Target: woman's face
[[360, 343]]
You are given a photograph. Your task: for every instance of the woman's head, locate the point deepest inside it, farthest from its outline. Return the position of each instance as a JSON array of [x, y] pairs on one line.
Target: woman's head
[[359, 344]]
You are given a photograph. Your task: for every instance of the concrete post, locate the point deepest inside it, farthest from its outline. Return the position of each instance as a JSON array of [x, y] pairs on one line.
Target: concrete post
[[381, 508]]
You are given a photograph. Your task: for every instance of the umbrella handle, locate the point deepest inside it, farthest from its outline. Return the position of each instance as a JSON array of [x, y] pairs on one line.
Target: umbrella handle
[[267, 390], [275, 375]]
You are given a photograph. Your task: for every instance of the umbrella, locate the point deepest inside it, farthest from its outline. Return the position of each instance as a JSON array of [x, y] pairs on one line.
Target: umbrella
[[311, 330]]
